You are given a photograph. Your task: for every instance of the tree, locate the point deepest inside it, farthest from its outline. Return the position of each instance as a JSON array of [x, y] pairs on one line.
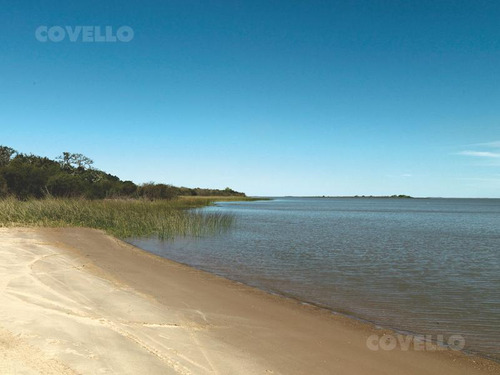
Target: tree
[[77, 162], [6, 155]]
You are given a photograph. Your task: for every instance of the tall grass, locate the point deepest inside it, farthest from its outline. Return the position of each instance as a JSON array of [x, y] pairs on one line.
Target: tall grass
[[121, 218]]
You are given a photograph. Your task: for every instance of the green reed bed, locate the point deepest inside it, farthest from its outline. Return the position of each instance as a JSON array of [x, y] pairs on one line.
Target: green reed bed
[[121, 218]]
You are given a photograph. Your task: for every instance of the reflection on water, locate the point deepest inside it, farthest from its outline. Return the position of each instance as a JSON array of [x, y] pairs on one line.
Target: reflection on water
[[420, 265]]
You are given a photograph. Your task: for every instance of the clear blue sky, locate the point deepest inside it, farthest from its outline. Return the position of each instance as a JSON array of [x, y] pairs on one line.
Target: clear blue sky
[[267, 97]]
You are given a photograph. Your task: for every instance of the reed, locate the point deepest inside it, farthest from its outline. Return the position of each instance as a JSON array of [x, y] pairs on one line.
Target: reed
[[119, 217]]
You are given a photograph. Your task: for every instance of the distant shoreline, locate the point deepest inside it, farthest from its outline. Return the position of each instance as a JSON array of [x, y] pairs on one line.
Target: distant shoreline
[[363, 197]]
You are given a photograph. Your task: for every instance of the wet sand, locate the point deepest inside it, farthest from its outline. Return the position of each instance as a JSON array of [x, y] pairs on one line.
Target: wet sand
[[76, 301]]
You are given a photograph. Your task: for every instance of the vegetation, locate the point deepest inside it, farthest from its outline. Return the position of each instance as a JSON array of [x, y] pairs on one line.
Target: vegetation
[[72, 175], [119, 217], [68, 191]]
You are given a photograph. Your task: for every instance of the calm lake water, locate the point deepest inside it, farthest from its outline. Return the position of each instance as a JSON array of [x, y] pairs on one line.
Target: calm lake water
[[428, 266]]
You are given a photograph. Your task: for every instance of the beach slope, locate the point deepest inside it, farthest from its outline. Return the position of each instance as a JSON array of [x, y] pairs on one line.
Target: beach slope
[[76, 301]]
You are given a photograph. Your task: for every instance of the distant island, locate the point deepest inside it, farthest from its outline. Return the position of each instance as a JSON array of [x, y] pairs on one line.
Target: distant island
[[395, 196], [383, 196]]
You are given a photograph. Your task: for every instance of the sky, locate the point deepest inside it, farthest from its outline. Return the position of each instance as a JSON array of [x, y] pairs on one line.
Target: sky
[[267, 97]]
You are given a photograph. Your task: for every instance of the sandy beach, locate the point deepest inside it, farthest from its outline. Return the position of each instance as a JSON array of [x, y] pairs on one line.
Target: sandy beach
[[76, 301]]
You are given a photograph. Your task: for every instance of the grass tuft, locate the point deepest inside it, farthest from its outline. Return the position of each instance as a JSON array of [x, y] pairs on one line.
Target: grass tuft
[[121, 218]]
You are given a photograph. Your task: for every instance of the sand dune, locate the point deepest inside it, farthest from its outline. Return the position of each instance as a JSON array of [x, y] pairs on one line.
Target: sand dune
[[75, 301]]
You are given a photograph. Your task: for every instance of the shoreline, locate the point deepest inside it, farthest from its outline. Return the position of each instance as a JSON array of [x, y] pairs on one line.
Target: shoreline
[[215, 325], [345, 314]]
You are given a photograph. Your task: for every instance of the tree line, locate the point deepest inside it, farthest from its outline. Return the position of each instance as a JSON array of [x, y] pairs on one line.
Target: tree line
[[73, 175]]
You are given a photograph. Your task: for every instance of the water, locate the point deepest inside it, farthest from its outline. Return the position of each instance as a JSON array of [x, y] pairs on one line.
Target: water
[[428, 266]]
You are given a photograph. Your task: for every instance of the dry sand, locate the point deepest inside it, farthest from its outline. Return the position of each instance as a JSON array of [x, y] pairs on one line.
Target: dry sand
[[75, 301]]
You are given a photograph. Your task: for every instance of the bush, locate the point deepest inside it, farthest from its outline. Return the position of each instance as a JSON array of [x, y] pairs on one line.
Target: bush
[[65, 185]]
